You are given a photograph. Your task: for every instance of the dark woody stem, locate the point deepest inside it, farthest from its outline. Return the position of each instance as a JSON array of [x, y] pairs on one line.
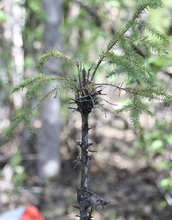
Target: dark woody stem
[[86, 100], [85, 158], [84, 152]]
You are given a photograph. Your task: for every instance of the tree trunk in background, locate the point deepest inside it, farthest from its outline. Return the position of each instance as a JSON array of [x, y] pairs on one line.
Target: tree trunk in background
[[48, 137]]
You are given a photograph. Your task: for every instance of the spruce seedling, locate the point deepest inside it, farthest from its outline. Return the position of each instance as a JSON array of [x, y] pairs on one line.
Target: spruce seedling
[[134, 50]]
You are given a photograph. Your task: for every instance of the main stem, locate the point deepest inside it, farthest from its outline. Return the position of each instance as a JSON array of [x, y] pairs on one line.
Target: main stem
[[86, 99], [84, 169], [84, 153]]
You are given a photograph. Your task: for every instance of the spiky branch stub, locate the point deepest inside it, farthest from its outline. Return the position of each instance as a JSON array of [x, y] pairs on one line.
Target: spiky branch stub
[[86, 99], [128, 53]]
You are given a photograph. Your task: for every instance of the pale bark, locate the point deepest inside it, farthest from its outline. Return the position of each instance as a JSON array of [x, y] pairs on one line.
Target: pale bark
[[48, 138]]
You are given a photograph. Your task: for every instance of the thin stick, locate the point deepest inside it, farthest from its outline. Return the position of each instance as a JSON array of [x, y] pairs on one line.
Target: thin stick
[[83, 77], [77, 64], [80, 71], [103, 56], [89, 73]]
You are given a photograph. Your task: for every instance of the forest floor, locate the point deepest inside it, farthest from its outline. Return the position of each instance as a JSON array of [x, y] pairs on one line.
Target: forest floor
[[119, 172]]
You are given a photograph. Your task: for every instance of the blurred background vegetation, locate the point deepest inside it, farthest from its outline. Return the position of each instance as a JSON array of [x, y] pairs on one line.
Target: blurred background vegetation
[[132, 169]]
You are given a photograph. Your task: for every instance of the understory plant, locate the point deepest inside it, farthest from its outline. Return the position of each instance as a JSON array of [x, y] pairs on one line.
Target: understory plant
[[155, 145], [128, 54]]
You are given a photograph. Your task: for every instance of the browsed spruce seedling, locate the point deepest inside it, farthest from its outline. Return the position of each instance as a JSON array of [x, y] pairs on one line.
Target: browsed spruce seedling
[[127, 53]]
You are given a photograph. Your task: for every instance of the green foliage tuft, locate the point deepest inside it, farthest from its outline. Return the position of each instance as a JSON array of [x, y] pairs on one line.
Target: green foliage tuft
[[129, 53], [144, 5], [34, 83], [136, 107], [145, 25], [22, 116], [53, 54]]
